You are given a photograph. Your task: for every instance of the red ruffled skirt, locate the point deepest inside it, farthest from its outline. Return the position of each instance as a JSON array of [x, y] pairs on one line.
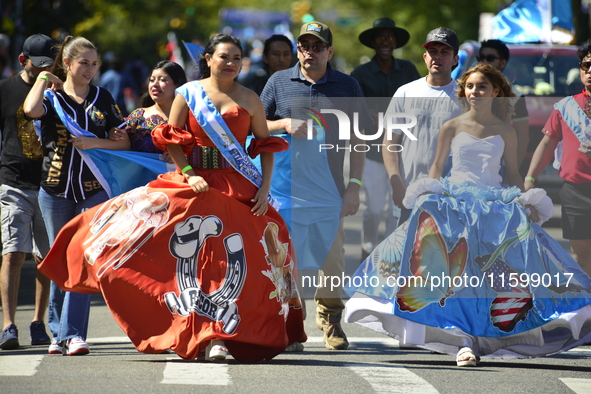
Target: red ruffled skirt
[[179, 269]]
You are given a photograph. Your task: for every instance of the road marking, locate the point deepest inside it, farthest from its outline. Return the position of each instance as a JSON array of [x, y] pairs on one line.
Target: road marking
[[579, 386], [392, 379], [19, 365], [195, 373]]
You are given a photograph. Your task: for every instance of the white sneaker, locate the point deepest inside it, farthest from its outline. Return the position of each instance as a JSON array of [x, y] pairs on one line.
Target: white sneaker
[[75, 346], [54, 348]]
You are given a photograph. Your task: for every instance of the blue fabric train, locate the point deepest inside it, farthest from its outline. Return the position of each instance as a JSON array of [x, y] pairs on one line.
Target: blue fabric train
[[473, 268]]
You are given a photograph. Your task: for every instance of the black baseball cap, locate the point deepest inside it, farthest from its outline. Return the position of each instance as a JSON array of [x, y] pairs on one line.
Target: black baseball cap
[[445, 36], [40, 49]]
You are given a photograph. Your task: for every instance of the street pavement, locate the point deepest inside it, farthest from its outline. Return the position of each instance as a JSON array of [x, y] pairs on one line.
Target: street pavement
[[373, 362]]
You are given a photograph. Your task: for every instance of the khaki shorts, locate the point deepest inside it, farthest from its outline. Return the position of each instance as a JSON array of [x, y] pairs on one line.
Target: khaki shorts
[[23, 228]]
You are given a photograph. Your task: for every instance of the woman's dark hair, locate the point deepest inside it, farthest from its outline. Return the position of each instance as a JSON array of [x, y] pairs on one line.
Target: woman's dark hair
[[70, 49], [267, 47], [174, 71], [502, 108], [221, 38]]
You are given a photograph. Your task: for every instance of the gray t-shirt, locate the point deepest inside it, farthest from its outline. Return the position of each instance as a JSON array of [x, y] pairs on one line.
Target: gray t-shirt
[[433, 106]]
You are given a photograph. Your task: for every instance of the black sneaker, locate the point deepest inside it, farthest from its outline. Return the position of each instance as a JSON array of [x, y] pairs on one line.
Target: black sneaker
[[9, 339], [38, 334]]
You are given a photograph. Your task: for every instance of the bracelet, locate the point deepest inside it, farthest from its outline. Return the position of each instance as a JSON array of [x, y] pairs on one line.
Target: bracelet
[[530, 178], [45, 77], [355, 180], [187, 168]]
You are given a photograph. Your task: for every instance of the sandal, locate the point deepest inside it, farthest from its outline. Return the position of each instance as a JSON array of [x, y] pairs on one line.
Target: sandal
[[218, 350], [466, 358]]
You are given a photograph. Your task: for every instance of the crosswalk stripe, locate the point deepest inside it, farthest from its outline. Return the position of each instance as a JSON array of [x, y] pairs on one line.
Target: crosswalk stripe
[[20, 365], [195, 373], [392, 379], [579, 386]]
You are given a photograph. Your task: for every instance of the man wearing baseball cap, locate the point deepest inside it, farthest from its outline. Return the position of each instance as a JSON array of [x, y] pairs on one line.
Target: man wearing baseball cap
[[380, 77], [291, 97], [23, 229], [433, 100]]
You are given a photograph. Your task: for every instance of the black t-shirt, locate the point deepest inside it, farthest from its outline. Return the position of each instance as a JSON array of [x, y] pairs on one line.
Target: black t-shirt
[[22, 154], [65, 174]]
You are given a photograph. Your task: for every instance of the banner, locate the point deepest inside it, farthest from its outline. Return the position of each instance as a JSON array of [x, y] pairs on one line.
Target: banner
[[523, 21]]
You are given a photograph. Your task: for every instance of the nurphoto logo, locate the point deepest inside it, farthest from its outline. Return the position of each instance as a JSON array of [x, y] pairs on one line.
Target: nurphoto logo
[[388, 123]]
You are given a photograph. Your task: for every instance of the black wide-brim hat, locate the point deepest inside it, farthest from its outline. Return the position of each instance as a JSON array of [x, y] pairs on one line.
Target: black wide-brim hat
[[402, 36]]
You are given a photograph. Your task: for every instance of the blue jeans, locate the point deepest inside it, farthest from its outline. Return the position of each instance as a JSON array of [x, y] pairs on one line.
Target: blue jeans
[[68, 311]]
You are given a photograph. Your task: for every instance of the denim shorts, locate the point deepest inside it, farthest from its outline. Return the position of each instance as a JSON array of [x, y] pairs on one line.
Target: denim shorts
[[23, 228]]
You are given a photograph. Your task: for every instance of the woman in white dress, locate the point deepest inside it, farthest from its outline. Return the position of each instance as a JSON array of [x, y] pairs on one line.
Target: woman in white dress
[[471, 273]]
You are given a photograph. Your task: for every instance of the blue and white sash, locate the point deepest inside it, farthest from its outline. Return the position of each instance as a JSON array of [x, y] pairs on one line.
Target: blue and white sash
[[577, 121], [575, 118], [218, 131]]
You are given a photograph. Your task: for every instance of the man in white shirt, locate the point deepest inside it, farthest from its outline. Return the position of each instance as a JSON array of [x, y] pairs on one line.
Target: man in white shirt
[[433, 100]]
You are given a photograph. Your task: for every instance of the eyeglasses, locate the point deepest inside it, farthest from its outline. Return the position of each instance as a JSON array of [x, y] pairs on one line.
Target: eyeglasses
[[585, 66], [317, 47], [488, 58], [382, 39]]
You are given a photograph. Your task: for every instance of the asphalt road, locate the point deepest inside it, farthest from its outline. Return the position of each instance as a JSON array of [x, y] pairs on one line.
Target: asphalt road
[[373, 363]]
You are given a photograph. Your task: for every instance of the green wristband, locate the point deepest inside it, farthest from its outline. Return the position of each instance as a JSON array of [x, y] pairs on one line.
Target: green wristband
[[355, 180], [187, 168], [45, 77], [530, 178]]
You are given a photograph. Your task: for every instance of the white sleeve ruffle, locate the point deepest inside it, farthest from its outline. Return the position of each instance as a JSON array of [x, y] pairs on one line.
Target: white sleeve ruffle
[[423, 185], [540, 200]]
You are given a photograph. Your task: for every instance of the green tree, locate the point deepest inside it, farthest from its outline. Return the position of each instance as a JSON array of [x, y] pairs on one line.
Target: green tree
[[138, 28]]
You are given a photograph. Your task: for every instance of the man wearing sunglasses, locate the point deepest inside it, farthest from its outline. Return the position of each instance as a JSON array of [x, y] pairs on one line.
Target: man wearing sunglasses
[[380, 77], [570, 124], [294, 99], [496, 53]]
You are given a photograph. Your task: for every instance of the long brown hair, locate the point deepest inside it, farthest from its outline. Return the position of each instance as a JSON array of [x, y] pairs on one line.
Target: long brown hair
[[502, 108], [70, 49]]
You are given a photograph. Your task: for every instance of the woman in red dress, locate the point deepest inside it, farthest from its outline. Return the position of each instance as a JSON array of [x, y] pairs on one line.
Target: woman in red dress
[[198, 257]]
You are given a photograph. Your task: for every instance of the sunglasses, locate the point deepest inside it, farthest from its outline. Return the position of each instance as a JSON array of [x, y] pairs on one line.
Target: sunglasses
[[317, 47], [382, 39], [488, 58], [585, 66]]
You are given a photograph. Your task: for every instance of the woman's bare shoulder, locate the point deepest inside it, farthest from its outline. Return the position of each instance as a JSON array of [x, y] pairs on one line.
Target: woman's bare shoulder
[[247, 99]]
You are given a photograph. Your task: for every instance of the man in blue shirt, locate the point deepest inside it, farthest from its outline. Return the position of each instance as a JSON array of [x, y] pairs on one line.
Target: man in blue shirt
[[292, 98]]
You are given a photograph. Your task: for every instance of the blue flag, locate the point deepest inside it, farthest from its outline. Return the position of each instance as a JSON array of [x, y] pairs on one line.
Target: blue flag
[[126, 170], [194, 51], [535, 21]]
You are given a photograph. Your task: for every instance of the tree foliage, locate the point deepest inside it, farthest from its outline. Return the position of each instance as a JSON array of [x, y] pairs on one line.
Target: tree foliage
[[139, 28]]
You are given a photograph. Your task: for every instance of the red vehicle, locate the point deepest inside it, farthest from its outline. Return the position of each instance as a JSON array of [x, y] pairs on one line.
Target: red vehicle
[[543, 73]]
